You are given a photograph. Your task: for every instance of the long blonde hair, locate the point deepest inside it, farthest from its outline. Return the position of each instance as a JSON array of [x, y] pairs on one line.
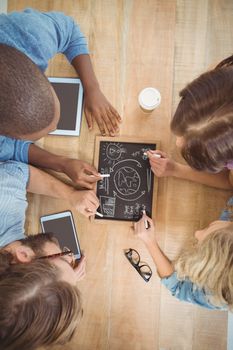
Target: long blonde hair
[[209, 264]]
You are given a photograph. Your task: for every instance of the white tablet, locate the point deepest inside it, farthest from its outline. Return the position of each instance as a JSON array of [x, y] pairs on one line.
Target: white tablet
[[63, 227], [70, 95]]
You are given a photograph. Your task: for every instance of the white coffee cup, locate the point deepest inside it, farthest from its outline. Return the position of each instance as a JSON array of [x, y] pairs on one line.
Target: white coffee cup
[[148, 99]]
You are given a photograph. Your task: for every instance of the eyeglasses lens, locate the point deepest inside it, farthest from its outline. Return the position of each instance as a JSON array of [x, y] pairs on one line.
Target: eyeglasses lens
[[133, 256], [145, 271]]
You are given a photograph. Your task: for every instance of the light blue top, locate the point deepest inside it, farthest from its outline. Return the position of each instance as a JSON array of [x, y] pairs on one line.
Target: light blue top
[[39, 36], [13, 204], [185, 290]]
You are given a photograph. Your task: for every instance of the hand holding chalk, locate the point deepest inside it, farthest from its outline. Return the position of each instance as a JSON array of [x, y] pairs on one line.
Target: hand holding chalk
[[145, 229], [145, 221], [154, 155], [162, 166], [79, 172]]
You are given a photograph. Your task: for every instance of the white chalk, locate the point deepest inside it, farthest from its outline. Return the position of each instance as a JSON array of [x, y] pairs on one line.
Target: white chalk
[[101, 175], [155, 155], [99, 214], [105, 175], [145, 221]]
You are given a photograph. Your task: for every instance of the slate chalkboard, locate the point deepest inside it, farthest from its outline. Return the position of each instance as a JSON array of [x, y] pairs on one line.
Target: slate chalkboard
[[129, 189]]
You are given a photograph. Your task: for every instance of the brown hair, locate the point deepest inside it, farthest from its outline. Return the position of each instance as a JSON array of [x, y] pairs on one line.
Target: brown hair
[[204, 117], [26, 100], [37, 309]]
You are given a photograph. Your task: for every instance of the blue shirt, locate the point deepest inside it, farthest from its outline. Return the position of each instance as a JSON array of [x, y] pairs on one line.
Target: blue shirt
[[13, 182], [186, 290], [39, 36]]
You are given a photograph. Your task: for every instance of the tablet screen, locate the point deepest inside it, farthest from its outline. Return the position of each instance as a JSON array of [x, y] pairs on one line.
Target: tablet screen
[[68, 97], [70, 94], [63, 230]]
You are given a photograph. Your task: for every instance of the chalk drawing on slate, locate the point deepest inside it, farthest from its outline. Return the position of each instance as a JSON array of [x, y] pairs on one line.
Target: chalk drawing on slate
[[129, 189]]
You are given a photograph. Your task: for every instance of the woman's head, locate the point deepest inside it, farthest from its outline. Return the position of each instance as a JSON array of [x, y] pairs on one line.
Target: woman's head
[[39, 304], [203, 120], [209, 264]]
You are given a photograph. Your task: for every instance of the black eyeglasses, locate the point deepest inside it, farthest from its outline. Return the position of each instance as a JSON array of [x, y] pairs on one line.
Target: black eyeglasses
[[142, 268]]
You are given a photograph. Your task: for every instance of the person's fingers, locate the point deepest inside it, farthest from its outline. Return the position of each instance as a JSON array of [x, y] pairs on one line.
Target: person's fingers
[[157, 151], [80, 270], [156, 166], [156, 162], [108, 123], [89, 119], [100, 123], [154, 159], [151, 222], [90, 169], [114, 120], [91, 207], [91, 179], [116, 114], [88, 212], [141, 224], [86, 185], [91, 198]]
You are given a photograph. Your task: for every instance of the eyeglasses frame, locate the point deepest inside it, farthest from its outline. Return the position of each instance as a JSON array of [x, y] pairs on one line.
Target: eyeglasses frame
[[137, 266]]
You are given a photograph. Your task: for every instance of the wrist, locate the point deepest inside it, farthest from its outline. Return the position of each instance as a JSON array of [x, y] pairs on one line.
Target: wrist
[[150, 243], [90, 86], [178, 170], [68, 193], [60, 164]]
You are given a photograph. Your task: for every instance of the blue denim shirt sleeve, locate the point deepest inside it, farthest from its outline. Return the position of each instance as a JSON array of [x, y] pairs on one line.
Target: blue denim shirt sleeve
[[41, 35], [185, 290], [11, 149]]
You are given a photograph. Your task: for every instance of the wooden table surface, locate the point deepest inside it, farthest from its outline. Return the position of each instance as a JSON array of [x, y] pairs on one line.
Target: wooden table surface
[[135, 44]]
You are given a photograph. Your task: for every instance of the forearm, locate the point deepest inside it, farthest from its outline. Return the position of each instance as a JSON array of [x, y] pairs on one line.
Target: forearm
[[83, 67], [43, 183], [220, 180], [44, 159], [163, 264]]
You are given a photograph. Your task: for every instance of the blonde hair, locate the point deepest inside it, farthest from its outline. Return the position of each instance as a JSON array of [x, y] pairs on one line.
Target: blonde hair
[[209, 265]]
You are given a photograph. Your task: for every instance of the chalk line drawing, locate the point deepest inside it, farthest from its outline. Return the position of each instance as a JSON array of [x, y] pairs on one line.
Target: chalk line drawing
[[148, 179], [138, 164], [108, 205], [139, 208], [104, 183], [144, 150], [127, 180], [129, 199], [113, 152], [137, 153], [129, 210]]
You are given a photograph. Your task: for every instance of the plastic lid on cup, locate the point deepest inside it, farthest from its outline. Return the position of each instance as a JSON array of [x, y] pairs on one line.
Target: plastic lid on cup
[[149, 98]]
